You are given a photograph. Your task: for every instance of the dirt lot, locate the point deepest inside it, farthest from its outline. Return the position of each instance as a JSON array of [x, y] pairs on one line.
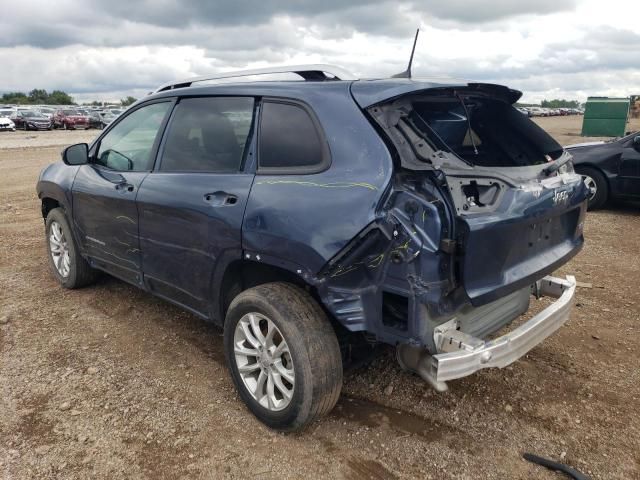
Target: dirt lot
[[108, 382], [566, 130]]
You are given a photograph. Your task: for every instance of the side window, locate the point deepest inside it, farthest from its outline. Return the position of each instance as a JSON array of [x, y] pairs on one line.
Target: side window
[[208, 134], [289, 139], [128, 145]]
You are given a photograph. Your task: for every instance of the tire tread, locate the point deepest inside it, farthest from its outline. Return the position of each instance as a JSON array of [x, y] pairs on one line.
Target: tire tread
[[318, 337], [84, 275]]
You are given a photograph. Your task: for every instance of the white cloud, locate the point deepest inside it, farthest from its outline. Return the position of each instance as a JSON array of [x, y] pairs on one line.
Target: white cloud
[[548, 49]]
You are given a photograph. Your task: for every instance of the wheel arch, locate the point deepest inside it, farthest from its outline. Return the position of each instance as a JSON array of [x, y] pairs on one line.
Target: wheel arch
[[243, 274], [593, 166], [607, 176], [48, 204]]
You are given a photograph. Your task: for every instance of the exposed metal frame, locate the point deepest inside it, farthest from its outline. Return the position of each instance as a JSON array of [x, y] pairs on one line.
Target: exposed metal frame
[[311, 72]]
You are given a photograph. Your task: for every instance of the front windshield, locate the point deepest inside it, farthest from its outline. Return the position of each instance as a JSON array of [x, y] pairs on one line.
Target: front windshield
[[70, 112], [28, 113]]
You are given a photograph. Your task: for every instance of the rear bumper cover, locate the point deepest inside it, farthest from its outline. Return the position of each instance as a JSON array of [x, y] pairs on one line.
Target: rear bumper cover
[[461, 354]]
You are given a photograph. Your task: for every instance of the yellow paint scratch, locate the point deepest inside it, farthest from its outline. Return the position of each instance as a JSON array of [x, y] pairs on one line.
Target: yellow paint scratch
[[375, 263], [320, 185]]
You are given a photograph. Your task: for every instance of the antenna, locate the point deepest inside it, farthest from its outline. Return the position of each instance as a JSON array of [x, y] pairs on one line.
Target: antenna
[[407, 72]]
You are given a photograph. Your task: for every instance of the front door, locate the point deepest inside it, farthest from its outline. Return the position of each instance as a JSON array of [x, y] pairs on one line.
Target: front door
[[192, 205], [104, 191], [629, 174]]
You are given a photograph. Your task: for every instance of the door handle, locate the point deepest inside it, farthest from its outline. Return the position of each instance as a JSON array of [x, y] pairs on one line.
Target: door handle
[[124, 187], [220, 199]]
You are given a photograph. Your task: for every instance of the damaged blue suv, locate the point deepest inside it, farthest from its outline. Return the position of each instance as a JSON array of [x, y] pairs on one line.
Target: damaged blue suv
[[305, 217]]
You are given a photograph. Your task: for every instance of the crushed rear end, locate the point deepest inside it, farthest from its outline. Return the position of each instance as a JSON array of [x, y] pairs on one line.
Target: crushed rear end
[[484, 205]]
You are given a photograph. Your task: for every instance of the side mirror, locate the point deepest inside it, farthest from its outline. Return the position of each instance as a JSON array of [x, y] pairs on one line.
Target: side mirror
[[636, 142], [77, 154]]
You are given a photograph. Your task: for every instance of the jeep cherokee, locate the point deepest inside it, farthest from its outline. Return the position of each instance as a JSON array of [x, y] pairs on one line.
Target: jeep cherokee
[[302, 215]]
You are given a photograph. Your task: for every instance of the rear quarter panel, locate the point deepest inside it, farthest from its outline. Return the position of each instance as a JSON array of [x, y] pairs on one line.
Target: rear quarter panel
[[304, 220]]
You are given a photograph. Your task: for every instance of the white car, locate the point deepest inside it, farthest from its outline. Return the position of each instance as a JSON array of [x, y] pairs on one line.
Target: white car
[[6, 123]]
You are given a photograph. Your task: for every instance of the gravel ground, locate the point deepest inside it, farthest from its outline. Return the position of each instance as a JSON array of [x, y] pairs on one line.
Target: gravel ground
[[108, 382]]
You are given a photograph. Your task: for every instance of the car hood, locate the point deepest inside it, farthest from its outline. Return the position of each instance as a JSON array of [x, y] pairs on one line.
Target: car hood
[[36, 119]]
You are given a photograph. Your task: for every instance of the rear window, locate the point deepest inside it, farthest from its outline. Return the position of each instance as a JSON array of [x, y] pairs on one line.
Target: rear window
[[208, 134], [289, 139]]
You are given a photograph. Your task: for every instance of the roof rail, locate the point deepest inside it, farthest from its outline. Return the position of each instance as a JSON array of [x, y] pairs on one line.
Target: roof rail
[[316, 72]]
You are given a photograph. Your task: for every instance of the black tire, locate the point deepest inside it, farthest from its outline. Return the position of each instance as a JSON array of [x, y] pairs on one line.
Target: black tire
[[80, 273], [315, 353], [24, 127], [602, 186]]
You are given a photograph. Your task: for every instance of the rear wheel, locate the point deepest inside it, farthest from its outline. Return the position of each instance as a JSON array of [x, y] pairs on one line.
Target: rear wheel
[[67, 265], [283, 355], [597, 185]]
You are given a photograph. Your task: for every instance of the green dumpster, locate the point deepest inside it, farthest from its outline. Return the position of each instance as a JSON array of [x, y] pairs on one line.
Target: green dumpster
[[605, 117]]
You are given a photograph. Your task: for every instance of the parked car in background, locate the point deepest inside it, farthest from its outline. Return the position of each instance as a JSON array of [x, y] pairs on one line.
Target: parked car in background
[[107, 117], [5, 121], [46, 111], [96, 120], [7, 112], [536, 111], [305, 217], [610, 169], [69, 119], [31, 120]]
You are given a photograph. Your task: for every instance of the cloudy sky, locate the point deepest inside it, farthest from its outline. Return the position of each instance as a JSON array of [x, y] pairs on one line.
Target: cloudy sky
[[96, 49]]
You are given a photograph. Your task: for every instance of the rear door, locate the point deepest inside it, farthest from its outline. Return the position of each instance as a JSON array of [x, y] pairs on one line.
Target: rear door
[[104, 191], [192, 205]]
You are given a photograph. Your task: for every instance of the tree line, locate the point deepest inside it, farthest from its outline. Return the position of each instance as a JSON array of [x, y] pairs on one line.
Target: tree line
[[38, 97], [57, 97], [559, 103]]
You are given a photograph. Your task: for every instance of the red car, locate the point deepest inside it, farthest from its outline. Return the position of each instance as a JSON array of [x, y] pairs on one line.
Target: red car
[[70, 119]]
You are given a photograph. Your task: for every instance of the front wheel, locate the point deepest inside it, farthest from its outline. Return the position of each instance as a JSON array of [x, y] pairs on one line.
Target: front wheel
[[283, 355], [67, 265], [597, 185]]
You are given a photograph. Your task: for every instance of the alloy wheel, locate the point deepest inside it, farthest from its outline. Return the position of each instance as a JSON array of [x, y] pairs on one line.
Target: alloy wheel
[[59, 249], [264, 361], [591, 185]]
